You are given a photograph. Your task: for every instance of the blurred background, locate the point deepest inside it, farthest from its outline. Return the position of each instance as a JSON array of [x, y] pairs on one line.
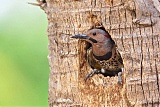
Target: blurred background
[[24, 68]]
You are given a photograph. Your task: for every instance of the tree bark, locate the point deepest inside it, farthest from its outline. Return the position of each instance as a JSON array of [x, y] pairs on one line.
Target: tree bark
[[135, 27]]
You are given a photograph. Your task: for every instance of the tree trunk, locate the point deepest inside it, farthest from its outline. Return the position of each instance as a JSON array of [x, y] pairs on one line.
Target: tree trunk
[[135, 27]]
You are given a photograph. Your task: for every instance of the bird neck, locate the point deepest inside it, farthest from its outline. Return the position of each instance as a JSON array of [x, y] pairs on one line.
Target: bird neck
[[101, 49]]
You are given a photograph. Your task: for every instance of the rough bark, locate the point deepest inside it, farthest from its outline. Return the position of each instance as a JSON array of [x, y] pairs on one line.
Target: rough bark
[[134, 26]]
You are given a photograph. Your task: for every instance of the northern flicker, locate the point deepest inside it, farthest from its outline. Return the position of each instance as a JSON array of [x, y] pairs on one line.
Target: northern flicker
[[102, 56]]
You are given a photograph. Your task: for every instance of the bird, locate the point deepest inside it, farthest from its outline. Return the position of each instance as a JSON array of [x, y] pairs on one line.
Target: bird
[[103, 56]]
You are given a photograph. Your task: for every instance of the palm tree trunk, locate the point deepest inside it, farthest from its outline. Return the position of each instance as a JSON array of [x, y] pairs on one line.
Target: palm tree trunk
[[134, 26]]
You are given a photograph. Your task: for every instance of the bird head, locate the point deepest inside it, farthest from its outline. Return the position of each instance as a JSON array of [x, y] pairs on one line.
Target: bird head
[[94, 36]]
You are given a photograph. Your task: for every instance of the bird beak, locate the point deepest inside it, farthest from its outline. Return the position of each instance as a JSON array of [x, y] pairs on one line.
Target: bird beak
[[85, 37], [80, 36]]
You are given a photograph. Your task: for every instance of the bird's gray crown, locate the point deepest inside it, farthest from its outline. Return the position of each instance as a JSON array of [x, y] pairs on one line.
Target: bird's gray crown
[[97, 31]]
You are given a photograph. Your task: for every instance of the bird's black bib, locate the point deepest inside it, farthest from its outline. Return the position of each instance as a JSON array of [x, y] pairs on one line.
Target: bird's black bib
[[104, 57]]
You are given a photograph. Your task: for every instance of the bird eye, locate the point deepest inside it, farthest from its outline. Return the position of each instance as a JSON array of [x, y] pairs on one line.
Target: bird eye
[[94, 34]]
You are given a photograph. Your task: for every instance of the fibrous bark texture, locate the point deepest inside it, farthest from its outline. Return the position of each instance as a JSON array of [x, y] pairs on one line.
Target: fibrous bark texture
[[135, 27]]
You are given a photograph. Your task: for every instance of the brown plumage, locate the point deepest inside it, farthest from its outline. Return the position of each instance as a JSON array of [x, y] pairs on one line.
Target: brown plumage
[[102, 56]]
